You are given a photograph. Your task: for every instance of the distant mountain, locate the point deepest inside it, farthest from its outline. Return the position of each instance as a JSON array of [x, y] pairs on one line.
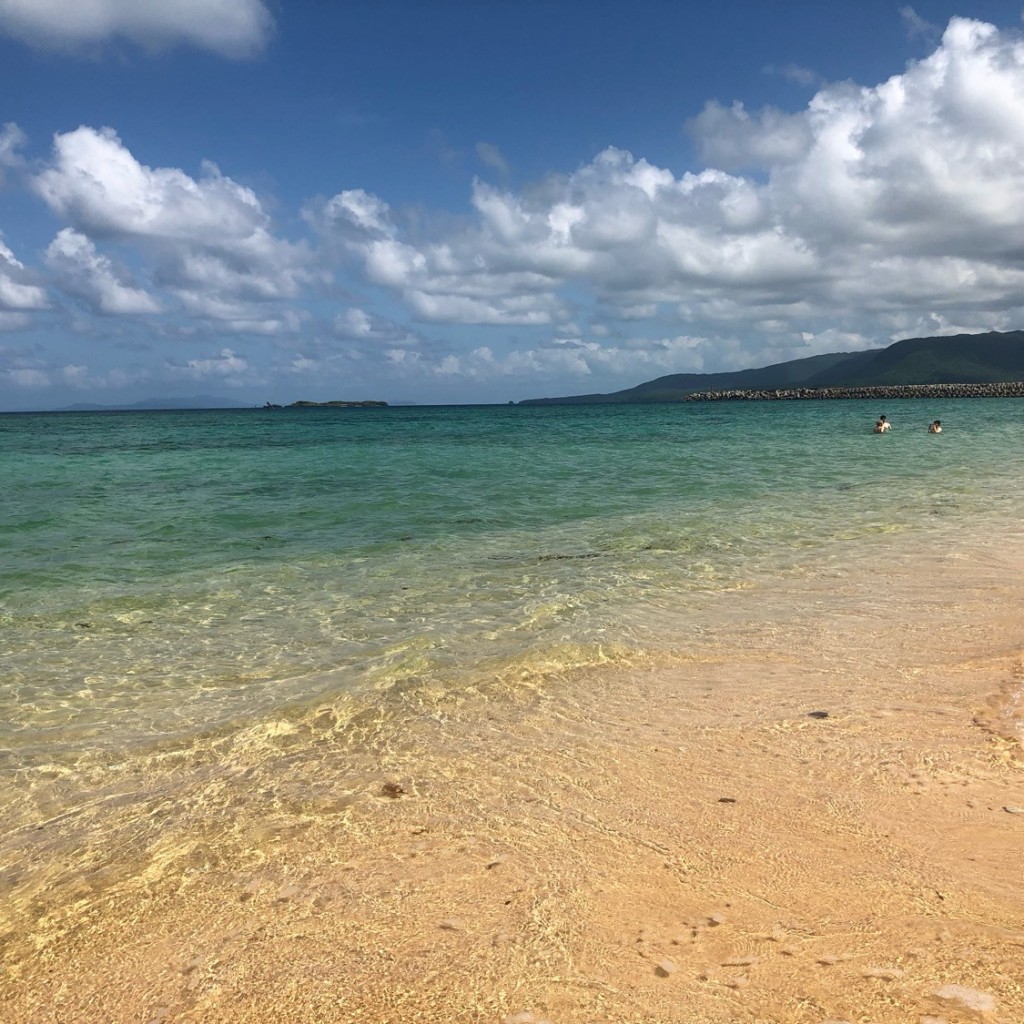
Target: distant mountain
[[195, 402], [960, 359]]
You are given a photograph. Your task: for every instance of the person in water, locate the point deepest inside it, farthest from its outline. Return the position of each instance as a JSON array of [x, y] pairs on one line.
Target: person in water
[[883, 425], [935, 427]]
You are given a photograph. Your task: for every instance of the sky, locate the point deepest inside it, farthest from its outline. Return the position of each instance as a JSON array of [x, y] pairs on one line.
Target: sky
[[481, 201]]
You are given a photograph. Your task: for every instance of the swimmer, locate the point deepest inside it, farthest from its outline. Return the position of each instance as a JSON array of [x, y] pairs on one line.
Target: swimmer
[[935, 427], [882, 426]]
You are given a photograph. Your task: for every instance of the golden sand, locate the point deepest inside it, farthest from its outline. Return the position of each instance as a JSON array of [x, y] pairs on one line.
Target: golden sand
[[810, 816]]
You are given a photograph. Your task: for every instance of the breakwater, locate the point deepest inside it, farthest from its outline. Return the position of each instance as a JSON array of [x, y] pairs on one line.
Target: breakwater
[[1006, 389]]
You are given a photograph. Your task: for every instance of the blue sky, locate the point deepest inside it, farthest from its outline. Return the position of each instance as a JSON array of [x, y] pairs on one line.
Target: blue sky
[[453, 201]]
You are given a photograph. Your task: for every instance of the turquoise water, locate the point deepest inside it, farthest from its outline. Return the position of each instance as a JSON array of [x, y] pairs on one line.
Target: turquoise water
[[169, 574]]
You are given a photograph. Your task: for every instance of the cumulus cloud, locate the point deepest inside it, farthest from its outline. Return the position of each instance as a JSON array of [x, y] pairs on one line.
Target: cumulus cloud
[[452, 281], [17, 292], [867, 210], [234, 28], [732, 138], [356, 215], [92, 276], [356, 324], [96, 183], [631, 231], [208, 241], [874, 212], [226, 366]]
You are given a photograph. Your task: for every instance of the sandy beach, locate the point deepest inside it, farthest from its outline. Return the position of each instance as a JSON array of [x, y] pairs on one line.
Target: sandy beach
[[815, 815]]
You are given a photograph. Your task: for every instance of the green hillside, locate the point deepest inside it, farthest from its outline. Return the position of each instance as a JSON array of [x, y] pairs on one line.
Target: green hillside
[[961, 359]]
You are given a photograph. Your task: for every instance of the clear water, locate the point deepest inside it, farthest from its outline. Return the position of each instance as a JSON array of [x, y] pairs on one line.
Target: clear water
[[217, 628], [175, 574]]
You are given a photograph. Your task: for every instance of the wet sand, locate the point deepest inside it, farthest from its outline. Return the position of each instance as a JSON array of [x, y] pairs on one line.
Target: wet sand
[[815, 813]]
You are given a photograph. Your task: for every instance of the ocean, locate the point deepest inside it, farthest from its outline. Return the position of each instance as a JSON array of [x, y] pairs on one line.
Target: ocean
[[186, 594], [170, 573]]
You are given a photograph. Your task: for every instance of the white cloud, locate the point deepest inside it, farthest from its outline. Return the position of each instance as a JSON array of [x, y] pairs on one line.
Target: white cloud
[[920, 166], [234, 28], [731, 138], [492, 309], [620, 226], [17, 293], [355, 214], [101, 188], [874, 212], [85, 272], [357, 325], [871, 207], [226, 365], [208, 241]]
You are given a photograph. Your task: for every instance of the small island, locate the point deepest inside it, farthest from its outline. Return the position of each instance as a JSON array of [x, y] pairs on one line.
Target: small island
[[337, 404]]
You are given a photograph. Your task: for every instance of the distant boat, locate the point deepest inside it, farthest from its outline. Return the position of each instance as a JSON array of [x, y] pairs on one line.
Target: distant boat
[[271, 405]]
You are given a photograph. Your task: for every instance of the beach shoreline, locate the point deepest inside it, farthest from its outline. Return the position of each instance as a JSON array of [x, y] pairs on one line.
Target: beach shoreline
[[813, 817]]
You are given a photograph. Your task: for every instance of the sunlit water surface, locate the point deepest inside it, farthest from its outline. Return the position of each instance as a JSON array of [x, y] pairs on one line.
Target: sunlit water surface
[[172, 574]]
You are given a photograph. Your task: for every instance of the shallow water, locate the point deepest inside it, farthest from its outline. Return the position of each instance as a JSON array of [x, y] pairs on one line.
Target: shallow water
[[175, 573], [219, 628]]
